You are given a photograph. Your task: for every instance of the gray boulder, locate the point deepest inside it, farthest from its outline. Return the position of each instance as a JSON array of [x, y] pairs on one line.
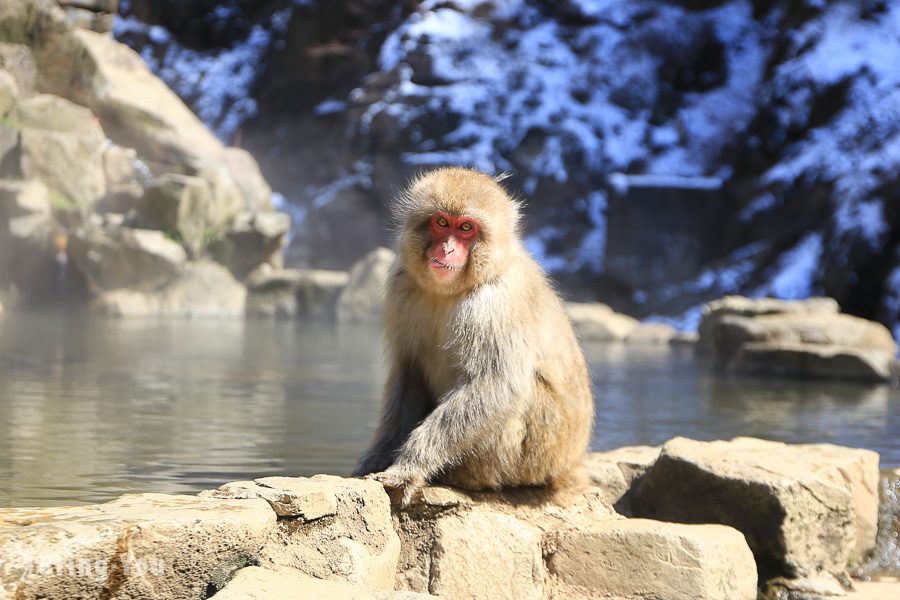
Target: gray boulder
[[595, 322], [806, 339], [179, 206], [32, 245], [123, 258], [362, 300], [201, 290], [289, 293], [253, 239]]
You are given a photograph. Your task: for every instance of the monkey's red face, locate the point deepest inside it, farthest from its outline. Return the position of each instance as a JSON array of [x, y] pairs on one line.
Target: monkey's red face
[[451, 236]]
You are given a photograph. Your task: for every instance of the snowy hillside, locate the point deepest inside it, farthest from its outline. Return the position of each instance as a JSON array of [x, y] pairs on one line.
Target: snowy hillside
[[795, 106]]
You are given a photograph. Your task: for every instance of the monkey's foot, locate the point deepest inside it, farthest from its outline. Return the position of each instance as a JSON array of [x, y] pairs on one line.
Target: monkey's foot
[[397, 480]]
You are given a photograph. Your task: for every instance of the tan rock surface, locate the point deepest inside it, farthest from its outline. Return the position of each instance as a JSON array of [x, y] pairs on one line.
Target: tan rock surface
[[356, 543], [138, 546], [255, 583], [639, 558], [595, 322], [804, 509]]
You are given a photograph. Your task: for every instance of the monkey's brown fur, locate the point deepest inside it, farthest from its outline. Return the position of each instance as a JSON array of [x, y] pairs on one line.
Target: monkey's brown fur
[[487, 387]]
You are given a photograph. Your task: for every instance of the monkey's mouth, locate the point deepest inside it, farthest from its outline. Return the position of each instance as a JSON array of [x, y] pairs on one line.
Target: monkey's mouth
[[439, 264]]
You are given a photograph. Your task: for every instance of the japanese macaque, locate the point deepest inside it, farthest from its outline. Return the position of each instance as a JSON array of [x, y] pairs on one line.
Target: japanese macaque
[[488, 387]]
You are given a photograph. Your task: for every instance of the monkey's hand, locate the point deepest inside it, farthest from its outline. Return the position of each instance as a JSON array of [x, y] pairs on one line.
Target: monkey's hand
[[396, 478]]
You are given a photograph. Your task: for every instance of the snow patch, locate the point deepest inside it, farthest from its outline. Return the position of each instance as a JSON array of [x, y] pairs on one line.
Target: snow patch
[[796, 271]]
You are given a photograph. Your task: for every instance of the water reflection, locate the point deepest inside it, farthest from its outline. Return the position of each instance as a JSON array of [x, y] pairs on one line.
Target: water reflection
[[90, 409]]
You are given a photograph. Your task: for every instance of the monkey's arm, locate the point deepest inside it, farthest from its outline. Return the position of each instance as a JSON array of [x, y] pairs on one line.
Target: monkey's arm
[[495, 380], [407, 402], [464, 416]]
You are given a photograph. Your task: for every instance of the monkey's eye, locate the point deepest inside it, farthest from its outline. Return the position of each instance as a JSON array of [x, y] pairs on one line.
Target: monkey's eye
[[442, 222], [466, 227]]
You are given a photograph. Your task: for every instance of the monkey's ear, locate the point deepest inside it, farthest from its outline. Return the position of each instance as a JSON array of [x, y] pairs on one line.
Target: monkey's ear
[[501, 177]]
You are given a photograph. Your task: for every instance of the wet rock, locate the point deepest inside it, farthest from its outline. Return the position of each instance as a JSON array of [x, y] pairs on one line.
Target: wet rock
[[291, 293], [651, 334], [140, 260], [807, 339], [346, 535], [806, 510], [638, 558], [253, 239], [362, 300], [201, 290], [595, 322], [139, 546], [255, 583], [245, 171]]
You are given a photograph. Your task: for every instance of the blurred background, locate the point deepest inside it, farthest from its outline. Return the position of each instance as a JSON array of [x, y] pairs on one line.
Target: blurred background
[[215, 174], [772, 130]]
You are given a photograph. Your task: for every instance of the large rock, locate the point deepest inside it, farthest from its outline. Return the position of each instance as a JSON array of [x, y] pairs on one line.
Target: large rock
[[253, 239], [123, 258], [809, 338], [616, 471], [70, 164], [638, 558], [245, 171], [362, 300], [596, 322], [336, 529], [256, 583], [806, 510], [289, 293], [201, 289], [53, 113], [63, 144], [32, 245], [178, 205], [486, 555], [137, 109], [139, 546]]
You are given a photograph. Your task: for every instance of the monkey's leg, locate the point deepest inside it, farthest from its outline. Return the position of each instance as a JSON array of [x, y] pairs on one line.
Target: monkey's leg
[[406, 402]]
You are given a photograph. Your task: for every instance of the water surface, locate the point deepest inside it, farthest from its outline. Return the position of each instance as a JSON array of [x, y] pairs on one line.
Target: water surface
[[93, 408]]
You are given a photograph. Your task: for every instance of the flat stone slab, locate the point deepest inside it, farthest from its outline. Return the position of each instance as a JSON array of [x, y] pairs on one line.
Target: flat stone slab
[[640, 558], [255, 583]]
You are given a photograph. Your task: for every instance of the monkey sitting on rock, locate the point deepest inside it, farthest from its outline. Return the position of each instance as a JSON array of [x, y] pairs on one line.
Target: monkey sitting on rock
[[488, 387]]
